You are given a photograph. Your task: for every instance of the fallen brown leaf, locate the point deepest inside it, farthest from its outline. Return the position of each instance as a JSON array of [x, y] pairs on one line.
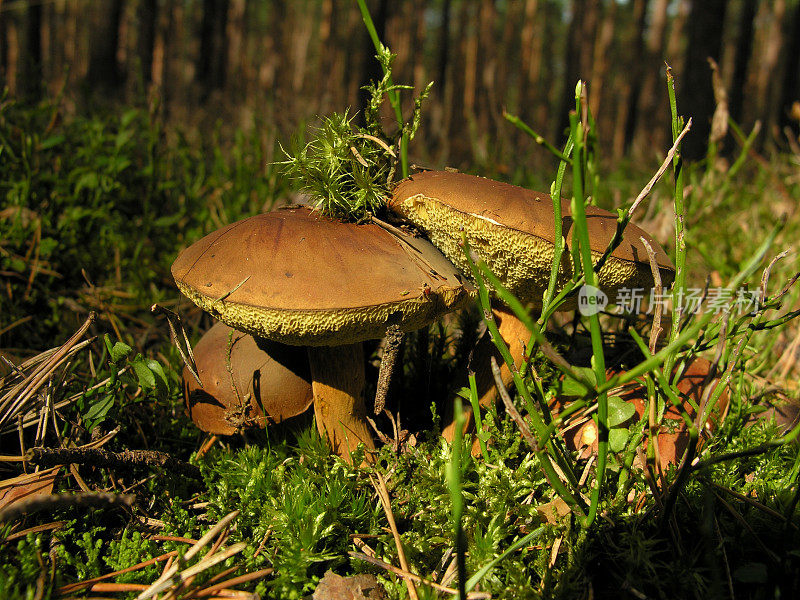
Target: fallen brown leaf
[[356, 587], [26, 487]]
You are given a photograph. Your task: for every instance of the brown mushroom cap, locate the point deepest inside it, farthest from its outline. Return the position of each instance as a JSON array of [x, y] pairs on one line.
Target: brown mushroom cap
[[267, 382], [300, 278], [512, 230]]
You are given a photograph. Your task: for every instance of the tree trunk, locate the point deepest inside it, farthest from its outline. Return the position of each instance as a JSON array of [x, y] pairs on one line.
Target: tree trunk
[[4, 45], [73, 56], [704, 33], [744, 49], [359, 53], [765, 84], [600, 64], [166, 65], [212, 61], [508, 57], [790, 90], [487, 107], [240, 64], [104, 70], [146, 18], [330, 61], [273, 69], [648, 132], [530, 59], [419, 76], [590, 10], [399, 32], [301, 39], [444, 51], [572, 59], [455, 143], [676, 48], [635, 73], [442, 108], [470, 38], [30, 71]]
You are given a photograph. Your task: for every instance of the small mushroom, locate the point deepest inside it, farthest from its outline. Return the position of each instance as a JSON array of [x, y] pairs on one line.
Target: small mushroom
[[512, 230], [247, 382], [673, 436], [300, 278]]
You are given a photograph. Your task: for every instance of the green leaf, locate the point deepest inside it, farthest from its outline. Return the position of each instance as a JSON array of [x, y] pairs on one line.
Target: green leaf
[[168, 220], [53, 140], [464, 393], [617, 438], [143, 373], [119, 352], [572, 387], [157, 370], [619, 411], [128, 117], [18, 265], [116, 352], [98, 411]]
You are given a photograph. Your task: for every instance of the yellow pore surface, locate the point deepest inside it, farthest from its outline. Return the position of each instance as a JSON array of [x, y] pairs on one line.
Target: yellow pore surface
[[520, 260], [329, 327]]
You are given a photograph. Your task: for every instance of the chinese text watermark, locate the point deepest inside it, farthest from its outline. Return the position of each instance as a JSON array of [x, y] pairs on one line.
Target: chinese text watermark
[[592, 300]]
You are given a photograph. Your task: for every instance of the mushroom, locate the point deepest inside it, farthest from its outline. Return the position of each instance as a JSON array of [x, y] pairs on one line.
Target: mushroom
[[300, 278], [247, 381], [512, 230]]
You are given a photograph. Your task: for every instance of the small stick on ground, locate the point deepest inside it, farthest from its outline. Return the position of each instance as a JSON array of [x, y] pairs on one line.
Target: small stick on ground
[[511, 409], [664, 166], [98, 457], [383, 494], [411, 577], [17, 398], [174, 322], [227, 584], [207, 445], [22, 443], [55, 501], [394, 338], [170, 572], [655, 332], [38, 529]]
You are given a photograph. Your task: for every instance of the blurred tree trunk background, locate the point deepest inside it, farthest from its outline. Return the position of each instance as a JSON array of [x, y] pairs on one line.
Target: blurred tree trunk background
[[280, 63]]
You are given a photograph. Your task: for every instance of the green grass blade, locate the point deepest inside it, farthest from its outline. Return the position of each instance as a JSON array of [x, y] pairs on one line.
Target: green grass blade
[[481, 573], [394, 98]]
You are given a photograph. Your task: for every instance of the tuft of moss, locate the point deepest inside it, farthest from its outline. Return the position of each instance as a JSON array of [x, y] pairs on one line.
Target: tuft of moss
[[344, 169]]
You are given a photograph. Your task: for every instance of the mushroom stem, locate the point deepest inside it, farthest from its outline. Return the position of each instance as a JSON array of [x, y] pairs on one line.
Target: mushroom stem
[[338, 381], [515, 334]]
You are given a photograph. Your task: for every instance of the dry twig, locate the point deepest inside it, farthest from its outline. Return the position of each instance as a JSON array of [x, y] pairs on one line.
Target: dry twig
[[383, 494], [103, 458], [406, 575], [394, 338], [18, 399], [57, 501]]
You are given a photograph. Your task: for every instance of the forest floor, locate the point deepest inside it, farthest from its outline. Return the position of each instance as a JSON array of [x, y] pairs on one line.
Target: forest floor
[[94, 211]]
